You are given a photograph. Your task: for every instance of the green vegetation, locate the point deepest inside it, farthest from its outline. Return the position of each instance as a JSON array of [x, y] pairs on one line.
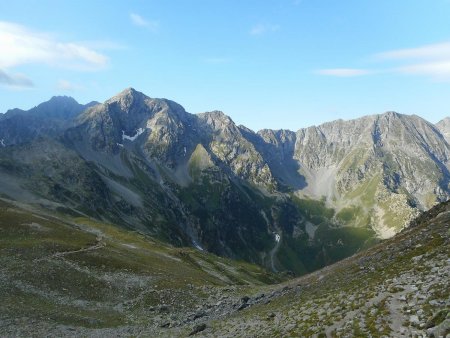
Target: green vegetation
[[354, 216], [313, 210], [81, 272], [365, 192]]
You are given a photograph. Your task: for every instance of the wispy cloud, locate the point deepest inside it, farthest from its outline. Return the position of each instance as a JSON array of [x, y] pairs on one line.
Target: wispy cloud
[[21, 45], [261, 29], [429, 60], [139, 21], [65, 85], [438, 70], [437, 51], [15, 80], [432, 61], [344, 72]]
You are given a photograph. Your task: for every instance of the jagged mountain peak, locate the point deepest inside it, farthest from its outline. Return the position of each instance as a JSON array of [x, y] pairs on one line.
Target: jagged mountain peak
[[131, 101], [391, 113], [54, 103], [127, 92], [216, 115], [218, 120], [394, 116], [127, 98], [58, 99]]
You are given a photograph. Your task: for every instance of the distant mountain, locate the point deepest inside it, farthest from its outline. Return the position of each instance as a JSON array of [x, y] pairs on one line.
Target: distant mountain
[[47, 119], [287, 200], [444, 128], [377, 170]]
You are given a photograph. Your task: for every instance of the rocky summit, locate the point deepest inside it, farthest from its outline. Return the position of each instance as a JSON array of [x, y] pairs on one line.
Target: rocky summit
[[291, 202]]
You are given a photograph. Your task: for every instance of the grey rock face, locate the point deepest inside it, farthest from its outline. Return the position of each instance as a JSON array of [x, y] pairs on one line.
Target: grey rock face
[[375, 166]]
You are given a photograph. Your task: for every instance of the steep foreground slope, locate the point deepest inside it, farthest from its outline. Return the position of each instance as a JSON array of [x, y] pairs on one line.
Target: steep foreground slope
[[65, 277]]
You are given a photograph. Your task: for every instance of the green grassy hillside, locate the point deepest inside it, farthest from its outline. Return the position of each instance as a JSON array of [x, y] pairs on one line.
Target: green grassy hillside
[[76, 272]]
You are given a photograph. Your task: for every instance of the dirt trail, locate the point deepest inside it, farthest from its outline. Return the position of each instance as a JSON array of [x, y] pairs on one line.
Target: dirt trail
[[99, 244]]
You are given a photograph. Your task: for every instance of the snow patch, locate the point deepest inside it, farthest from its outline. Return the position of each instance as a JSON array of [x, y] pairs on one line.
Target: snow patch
[[134, 137], [197, 245], [120, 144], [130, 246], [2, 142], [277, 238]]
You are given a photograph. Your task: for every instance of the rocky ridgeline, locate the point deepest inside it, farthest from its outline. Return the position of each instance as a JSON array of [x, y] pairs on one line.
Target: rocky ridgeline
[[201, 180]]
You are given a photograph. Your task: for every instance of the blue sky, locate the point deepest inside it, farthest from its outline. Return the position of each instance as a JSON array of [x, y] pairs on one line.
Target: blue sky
[[267, 64]]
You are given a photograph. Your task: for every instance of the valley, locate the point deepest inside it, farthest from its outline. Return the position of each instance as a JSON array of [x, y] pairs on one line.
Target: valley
[[201, 180], [64, 276]]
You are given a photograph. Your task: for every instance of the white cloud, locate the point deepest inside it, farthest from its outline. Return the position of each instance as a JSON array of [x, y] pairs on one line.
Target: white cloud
[[437, 51], [138, 20], [438, 70], [344, 72], [21, 45], [15, 80], [431, 61], [67, 86], [260, 29]]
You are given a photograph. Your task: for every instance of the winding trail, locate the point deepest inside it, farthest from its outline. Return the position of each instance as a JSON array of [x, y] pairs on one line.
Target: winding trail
[[99, 244]]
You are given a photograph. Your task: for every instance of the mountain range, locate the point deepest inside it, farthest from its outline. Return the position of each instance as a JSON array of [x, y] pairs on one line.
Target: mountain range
[[291, 201]]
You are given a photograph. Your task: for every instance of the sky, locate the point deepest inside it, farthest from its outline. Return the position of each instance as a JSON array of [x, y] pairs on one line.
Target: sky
[[267, 64]]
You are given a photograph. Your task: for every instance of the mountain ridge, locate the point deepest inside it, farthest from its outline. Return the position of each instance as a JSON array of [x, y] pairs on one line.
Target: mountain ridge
[[326, 191]]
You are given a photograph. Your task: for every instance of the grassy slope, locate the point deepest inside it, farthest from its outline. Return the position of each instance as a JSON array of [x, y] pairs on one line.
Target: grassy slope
[[83, 273]]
